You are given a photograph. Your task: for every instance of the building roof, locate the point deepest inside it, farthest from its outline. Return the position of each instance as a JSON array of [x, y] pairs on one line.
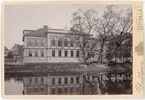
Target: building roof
[[43, 31]]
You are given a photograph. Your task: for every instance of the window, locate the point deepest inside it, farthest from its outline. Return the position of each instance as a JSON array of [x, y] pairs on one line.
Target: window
[[53, 80], [52, 90], [71, 43], [77, 79], [29, 43], [30, 53], [53, 42], [36, 53], [59, 42], [59, 90], [42, 80], [72, 53], [71, 89], [36, 80], [42, 53], [65, 80], [59, 80], [30, 80], [59, 53], [36, 43], [77, 54], [42, 44], [65, 43], [72, 80], [42, 89], [53, 53], [65, 53], [66, 90]]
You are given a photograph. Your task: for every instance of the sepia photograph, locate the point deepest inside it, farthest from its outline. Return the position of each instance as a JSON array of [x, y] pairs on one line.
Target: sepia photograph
[[68, 49]]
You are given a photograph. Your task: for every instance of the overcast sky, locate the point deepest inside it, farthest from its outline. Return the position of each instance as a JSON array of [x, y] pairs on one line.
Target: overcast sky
[[21, 17]]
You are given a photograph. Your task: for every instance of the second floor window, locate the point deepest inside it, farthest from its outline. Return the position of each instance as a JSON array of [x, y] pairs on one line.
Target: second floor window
[[77, 79], [59, 43], [65, 53], [53, 42], [42, 44], [53, 53], [71, 43], [53, 80], [36, 43], [59, 53], [65, 80], [72, 53], [29, 43], [72, 80], [36, 80], [42, 80], [36, 53], [42, 53], [77, 54], [65, 43], [59, 80], [30, 53]]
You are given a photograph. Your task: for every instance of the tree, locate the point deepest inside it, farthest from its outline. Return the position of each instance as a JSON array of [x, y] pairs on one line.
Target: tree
[[84, 23], [106, 25], [121, 33]]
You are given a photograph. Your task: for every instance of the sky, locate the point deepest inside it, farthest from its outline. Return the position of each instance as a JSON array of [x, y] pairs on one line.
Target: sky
[[33, 17]]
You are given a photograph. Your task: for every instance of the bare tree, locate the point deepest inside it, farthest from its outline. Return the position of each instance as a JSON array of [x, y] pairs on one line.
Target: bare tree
[[84, 23], [106, 24], [121, 33]]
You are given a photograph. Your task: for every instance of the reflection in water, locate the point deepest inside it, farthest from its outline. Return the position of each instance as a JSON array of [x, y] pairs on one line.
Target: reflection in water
[[69, 83]]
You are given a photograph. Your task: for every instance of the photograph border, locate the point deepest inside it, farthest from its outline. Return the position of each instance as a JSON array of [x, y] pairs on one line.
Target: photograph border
[[137, 59]]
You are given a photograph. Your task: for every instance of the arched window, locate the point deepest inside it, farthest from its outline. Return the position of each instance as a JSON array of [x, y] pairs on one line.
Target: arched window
[[53, 42], [30, 53], [42, 53], [59, 42], [36, 53], [29, 43], [71, 44], [36, 43], [65, 43]]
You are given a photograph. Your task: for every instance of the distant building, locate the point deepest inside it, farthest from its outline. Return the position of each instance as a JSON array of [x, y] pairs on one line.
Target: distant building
[[6, 52], [47, 45], [17, 51]]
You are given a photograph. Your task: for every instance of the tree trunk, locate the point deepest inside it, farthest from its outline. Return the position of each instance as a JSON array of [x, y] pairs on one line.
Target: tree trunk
[[100, 53]]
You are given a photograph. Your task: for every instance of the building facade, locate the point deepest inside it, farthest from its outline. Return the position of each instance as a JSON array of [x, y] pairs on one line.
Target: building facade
[[47, 45]]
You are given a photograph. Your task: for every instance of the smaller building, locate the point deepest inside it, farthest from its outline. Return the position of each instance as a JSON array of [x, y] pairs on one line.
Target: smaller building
[[6, 52], [17, 51]]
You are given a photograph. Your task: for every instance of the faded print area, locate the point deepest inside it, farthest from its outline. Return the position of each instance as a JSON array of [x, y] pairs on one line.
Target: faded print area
[[88, 52]]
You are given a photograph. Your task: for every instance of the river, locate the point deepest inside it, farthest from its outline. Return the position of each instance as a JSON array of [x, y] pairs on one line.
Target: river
[[68, 84]]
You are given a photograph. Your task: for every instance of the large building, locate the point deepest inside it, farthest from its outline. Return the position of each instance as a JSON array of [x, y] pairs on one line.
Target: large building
[[47, 45]]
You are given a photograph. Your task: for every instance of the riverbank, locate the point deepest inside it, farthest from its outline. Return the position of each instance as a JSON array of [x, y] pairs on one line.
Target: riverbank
[[69, 68]]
